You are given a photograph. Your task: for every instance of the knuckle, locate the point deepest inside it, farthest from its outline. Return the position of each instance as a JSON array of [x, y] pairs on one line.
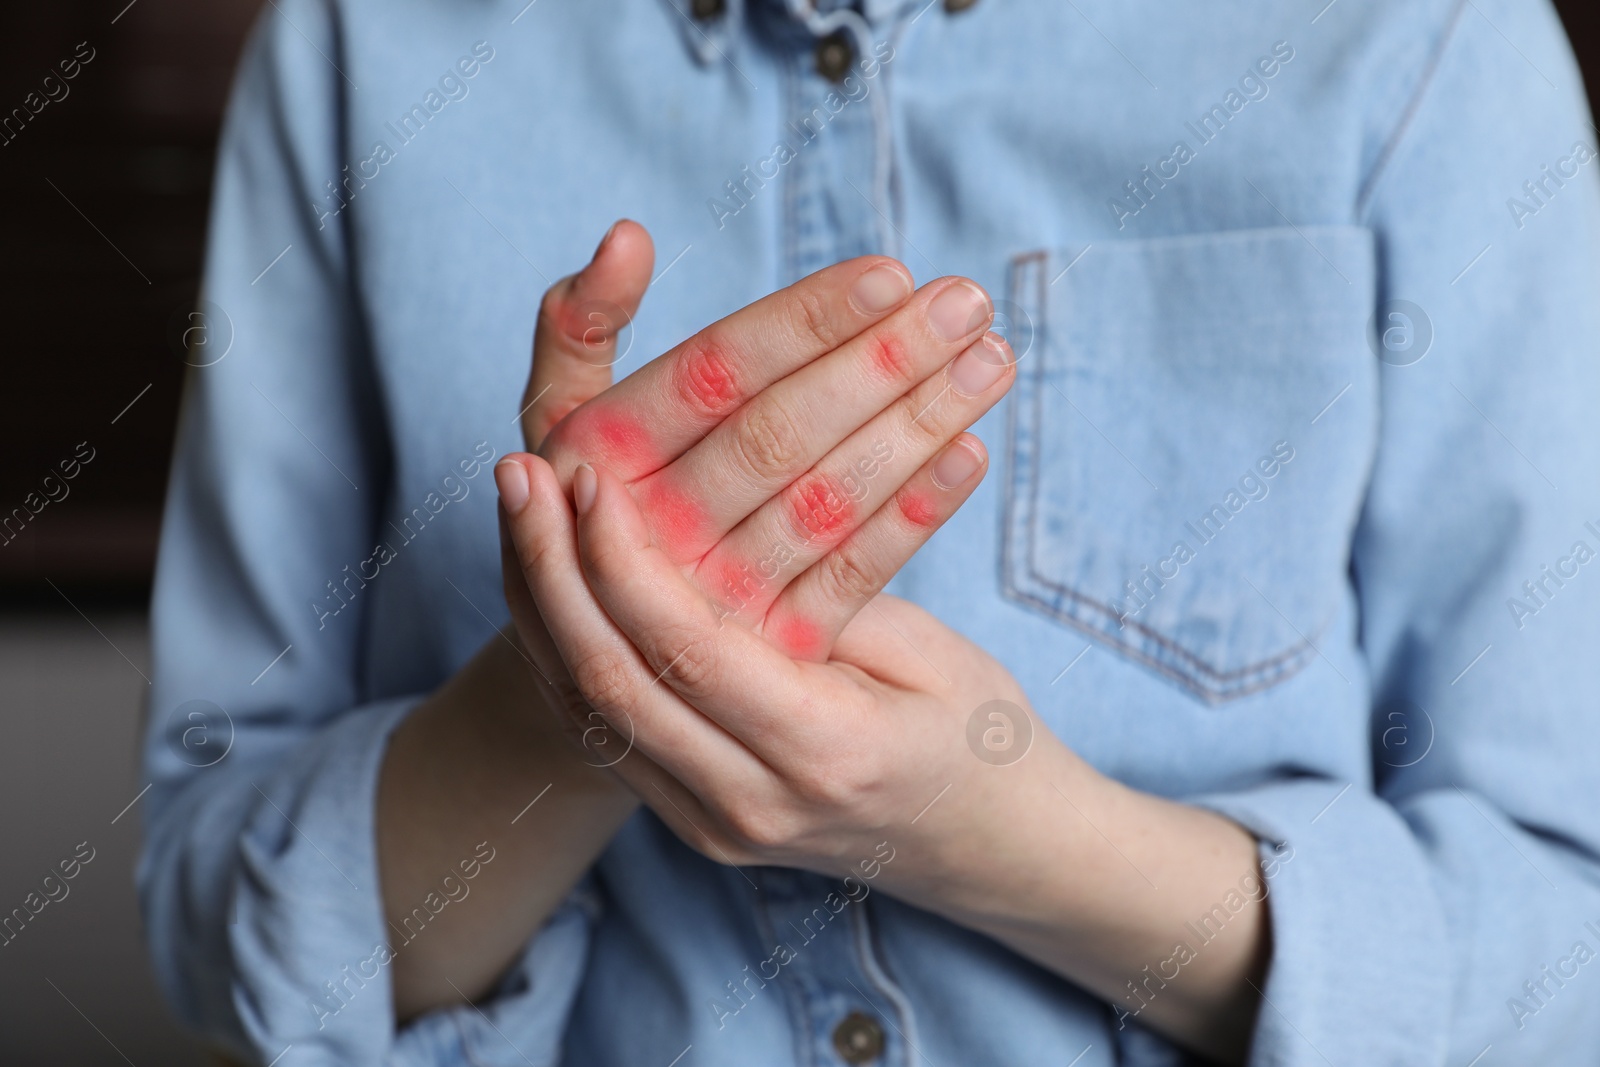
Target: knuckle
[[841, 785], [571, 711], [705, 374], [605, 678], [608, 562], [821, 787], [819, 511], [554, 307], [768, 442], [687, 662], [809, 312], [925, 417], [892, 359], [762, 827], [536, 556], [560, 436], [545, 414], [849, 576]]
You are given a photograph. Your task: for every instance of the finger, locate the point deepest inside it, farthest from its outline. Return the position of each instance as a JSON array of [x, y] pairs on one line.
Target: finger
[[820, 509], [683, 812], [575, 340], [780, 434], [807, 617], [894, 642], [532, 640], [733, 676], [613, 677], [659, 411]]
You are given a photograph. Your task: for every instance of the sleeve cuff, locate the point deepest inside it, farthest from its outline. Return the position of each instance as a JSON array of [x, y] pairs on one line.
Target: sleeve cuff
[[1357, 932], [311, 949], [523, 1020]]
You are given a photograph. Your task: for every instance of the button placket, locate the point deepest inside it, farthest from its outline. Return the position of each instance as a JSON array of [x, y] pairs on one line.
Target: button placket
[[815, 925], [835, 196]]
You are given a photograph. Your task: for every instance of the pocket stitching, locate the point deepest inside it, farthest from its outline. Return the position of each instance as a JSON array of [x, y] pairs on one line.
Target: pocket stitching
[[1227, 684]]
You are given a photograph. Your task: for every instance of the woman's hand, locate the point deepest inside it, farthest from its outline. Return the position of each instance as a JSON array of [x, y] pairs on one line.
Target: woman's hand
[[754, 756], [764, 449], [789, 423], [751, 755]]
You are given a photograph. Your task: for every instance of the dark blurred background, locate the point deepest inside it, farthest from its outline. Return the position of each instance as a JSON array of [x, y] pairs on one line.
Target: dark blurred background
[[105, 192]]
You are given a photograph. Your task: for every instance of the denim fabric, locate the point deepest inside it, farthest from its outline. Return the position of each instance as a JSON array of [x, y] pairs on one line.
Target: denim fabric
[[1290, 516], [1207, 395]]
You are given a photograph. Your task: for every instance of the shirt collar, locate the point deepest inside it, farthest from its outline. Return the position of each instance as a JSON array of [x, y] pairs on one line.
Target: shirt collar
[[711, 40]]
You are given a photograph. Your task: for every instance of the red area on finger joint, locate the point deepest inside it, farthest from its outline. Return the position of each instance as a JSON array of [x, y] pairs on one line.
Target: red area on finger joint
[[738, 586], [677, 520], [706, 378], [918, 509], [891, 358], [801, 638], [820, 508], [616, 439]]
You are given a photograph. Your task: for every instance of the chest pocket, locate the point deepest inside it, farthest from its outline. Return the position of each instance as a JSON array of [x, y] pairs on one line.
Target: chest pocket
[[1188, 443]]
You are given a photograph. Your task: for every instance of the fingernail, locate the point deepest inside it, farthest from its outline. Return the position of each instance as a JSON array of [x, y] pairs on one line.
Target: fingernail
[[958, 464], [980, 366], [511, 478], [604, 240], [584, 484], [880, 289], [959, 310]]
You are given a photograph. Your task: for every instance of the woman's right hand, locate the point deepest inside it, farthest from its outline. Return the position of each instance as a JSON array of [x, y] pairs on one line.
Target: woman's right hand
[[763, 449]]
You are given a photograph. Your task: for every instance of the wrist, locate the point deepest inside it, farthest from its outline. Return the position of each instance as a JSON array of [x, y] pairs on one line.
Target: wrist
[[1024, 853]]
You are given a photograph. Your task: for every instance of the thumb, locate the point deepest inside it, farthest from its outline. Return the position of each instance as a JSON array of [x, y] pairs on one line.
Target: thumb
[[575, 341]]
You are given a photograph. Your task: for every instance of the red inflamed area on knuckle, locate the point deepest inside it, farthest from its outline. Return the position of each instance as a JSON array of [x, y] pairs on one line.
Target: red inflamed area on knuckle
[[890, 358], [616, 438], [918, 509], [677, 519], [799, 637], [706, 377], [737, 585], [820, 509]]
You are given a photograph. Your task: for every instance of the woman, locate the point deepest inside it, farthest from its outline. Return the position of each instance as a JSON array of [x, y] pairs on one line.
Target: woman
[[1237, 716]]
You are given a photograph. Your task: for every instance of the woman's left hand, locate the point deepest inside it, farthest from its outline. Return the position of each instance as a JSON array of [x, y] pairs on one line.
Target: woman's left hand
[[879, 755], [753, 757]]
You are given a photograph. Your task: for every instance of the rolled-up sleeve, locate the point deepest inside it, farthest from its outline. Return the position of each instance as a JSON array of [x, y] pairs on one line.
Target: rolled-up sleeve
[[259, 879], [1449, 909]]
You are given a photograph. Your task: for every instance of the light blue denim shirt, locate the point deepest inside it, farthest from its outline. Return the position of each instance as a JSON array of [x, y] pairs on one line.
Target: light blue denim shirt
[[1292, 513]]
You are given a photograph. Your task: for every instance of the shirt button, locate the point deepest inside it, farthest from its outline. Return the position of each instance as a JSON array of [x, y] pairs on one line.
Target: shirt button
[[858, 1038], [705, 9], [835, 54]]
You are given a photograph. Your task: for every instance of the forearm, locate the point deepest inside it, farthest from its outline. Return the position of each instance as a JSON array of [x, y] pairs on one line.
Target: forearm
[[1102, 884], [461, 767]]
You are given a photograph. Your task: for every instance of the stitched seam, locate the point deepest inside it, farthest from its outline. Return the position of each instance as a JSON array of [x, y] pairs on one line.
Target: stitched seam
[[1041, 304], [1379, 168], [1212, 695], [1214, 680], [793, 997], [1008, 519], [1167, 643], [865, 943]]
